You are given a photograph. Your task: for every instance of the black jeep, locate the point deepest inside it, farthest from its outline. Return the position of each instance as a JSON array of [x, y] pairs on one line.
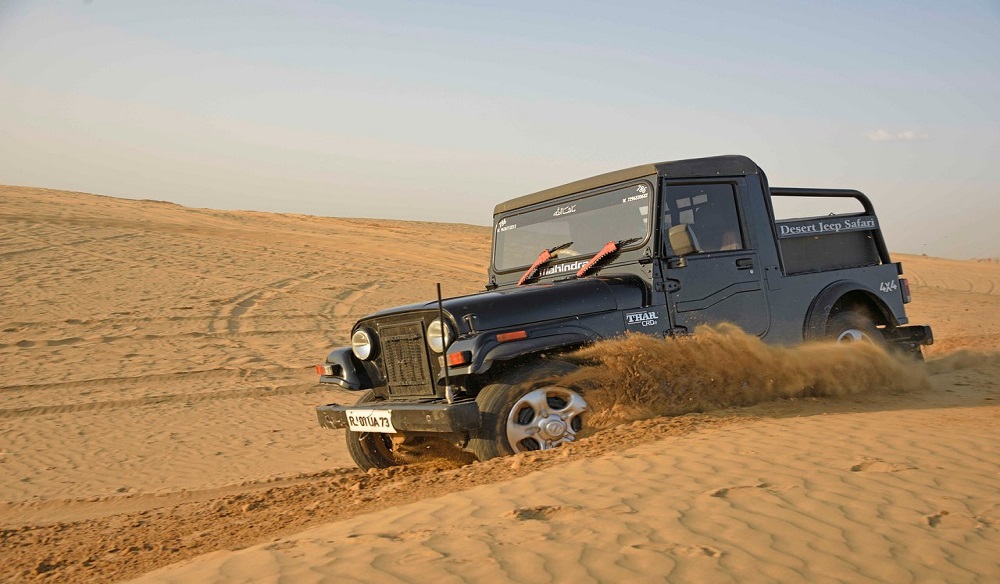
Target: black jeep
[[657, 249]]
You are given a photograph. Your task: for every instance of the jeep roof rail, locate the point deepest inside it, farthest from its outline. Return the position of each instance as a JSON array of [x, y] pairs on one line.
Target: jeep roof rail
[[729, 165], [812, 192]]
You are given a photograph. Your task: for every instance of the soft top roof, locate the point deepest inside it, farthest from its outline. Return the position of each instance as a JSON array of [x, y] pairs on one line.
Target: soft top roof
[[730, 165]]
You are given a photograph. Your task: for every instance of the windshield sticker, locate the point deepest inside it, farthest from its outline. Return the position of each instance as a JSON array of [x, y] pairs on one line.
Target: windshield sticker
[[564, 210], [642, 192], [570, 267], [643, 318], [502, 226]]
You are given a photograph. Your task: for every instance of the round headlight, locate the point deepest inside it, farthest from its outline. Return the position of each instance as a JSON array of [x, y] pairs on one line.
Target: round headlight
[[439, 335], [363, 344]]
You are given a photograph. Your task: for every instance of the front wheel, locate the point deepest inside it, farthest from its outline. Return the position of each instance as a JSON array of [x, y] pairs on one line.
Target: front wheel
[[371, 449], [528, 411]]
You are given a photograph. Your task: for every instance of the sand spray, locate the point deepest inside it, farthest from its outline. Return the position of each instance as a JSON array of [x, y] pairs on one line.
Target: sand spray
[[638, 376]]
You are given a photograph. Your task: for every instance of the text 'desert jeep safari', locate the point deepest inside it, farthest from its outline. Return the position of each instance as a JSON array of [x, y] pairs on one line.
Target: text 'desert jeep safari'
[[657, 249]]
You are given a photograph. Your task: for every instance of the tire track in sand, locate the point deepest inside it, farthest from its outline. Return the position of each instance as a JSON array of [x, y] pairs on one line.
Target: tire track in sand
[[229, 317], [185, 398], [344, 304]]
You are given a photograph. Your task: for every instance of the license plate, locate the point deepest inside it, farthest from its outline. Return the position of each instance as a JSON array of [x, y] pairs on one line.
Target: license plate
[[359, 420]]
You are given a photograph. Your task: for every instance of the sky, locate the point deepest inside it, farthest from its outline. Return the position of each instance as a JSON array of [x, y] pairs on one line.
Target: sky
[[438, 110]]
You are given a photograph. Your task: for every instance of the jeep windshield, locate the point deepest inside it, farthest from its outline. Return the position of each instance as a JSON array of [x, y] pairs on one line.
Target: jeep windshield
[[589, 222]]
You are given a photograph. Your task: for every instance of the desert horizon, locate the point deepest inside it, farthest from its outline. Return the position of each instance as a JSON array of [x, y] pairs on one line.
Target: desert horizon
[[157, 423]]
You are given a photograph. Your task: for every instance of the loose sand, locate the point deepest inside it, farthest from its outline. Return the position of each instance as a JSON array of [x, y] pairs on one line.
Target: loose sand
[[156, 405]]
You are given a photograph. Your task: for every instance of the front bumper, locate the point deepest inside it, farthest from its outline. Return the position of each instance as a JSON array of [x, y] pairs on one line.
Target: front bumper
[[410, 417]]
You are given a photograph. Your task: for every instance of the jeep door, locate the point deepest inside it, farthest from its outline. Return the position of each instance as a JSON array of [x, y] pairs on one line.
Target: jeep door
[[722, 280]]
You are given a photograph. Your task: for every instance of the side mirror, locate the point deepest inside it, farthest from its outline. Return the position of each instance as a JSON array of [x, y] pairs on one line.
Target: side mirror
[[682, 240]]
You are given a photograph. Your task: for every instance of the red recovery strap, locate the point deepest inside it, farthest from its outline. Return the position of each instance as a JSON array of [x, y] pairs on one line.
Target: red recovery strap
[[609, 247], [542, 258]]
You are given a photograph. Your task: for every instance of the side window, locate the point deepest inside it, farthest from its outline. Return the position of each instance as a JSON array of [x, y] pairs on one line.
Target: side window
[[710, 210]]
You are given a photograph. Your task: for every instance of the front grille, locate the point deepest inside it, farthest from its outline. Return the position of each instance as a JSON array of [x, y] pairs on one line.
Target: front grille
[[404, 353]]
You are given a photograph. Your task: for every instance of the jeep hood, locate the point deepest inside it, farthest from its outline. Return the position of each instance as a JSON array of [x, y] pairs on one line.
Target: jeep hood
[[534, 303]]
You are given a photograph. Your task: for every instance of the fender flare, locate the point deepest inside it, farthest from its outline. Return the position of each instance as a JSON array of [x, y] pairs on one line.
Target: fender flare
[[820, 310], [507, 351]]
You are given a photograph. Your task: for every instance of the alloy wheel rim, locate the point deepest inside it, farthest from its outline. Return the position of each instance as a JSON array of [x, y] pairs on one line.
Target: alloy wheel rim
[[545, 418]]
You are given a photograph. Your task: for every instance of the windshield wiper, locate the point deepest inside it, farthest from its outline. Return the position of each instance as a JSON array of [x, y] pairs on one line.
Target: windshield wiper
[[543, 258], [608, 249]]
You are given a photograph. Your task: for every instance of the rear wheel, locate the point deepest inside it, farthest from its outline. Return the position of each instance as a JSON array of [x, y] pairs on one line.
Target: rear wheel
[[853, 326], [527, 411], [371, 449]]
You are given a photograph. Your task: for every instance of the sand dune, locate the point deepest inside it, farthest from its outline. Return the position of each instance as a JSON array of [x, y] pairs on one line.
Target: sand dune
[[815, 498], [157, 399], [192, 333], [961, 299]]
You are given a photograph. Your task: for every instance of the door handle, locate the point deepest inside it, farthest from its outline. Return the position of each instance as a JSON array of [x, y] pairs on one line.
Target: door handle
[[744, 263]]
